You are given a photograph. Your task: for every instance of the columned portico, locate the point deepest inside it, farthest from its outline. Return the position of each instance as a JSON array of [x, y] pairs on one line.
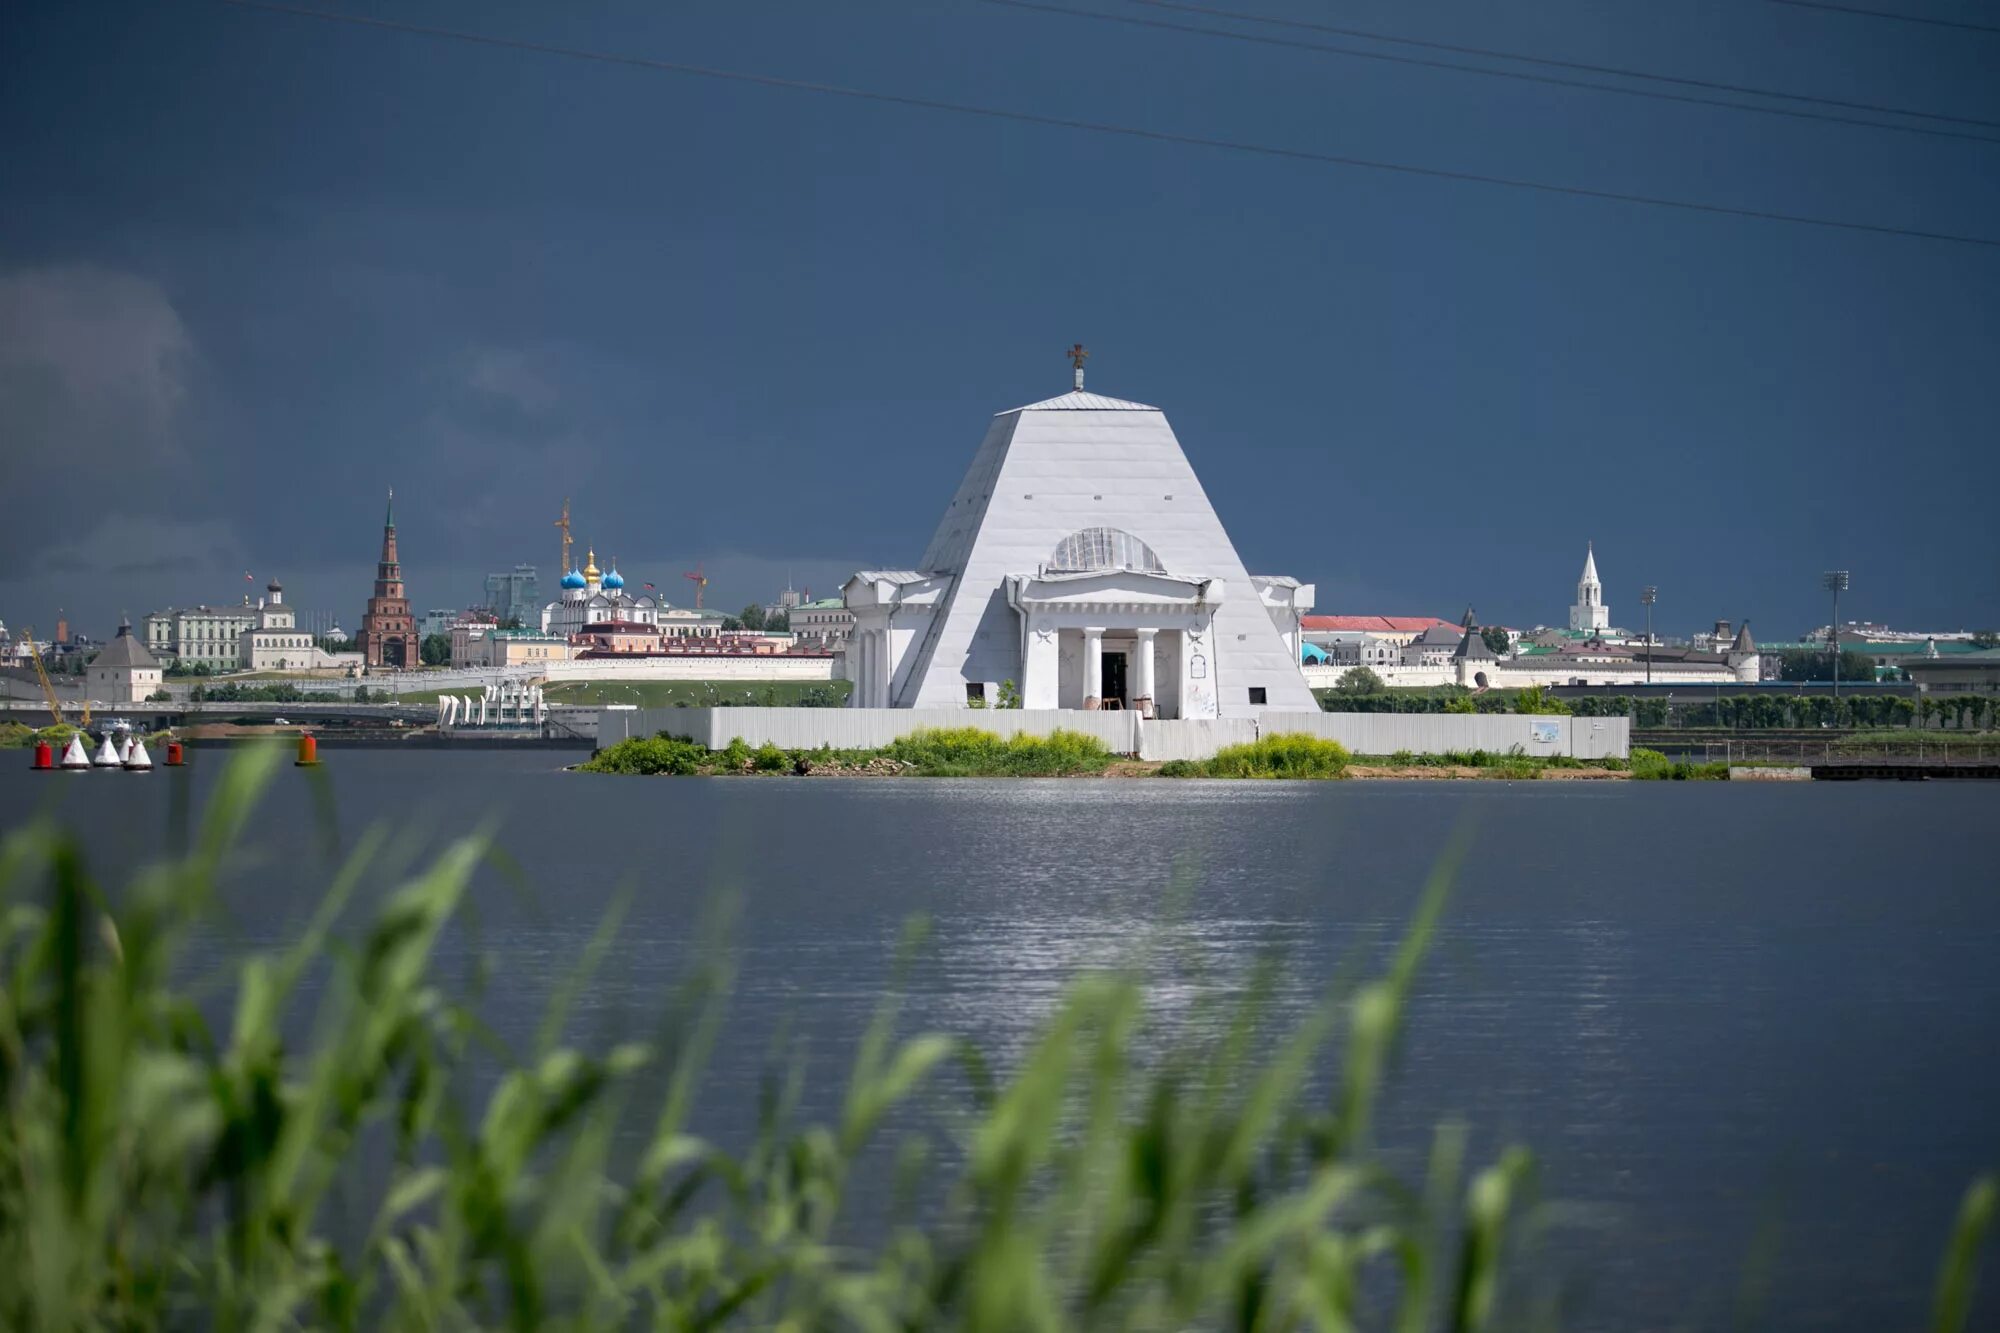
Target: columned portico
[[1159, 626]]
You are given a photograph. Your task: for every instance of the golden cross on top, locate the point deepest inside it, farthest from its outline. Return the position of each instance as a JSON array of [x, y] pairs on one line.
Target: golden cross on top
[[1077, 356]]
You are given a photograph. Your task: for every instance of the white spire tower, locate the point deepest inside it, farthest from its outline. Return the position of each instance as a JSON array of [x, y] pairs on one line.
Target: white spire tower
[[1589, 613]]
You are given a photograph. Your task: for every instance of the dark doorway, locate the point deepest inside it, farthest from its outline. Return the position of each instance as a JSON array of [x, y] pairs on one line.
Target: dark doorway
[[1114, 679], [392, 653]]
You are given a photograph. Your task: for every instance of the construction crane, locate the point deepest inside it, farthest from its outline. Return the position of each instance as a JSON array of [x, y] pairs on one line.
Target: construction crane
[[700, 581], [42, 674]]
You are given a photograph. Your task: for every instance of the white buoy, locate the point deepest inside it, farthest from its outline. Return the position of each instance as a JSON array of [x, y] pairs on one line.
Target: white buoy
[[73, 755], [106, 756], [137, 760], [125, 747]]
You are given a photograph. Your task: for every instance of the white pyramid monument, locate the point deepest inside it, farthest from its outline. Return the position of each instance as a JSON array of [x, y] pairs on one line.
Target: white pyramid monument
[[1080, 560]]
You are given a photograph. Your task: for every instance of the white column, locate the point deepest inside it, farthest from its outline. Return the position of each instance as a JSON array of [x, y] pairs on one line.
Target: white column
[[1041, 668], [1142, 672], [1093, 663], [864, 640]]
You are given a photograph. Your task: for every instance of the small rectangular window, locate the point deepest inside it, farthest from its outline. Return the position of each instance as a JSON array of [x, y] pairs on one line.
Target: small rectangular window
[[975, 691], [1256, 694]]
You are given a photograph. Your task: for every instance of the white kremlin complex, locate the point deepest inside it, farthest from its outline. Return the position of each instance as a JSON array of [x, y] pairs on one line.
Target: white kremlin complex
[[1080, 562]]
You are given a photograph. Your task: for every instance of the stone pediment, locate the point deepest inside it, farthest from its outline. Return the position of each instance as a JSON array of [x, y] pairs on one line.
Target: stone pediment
[[1113, 588]]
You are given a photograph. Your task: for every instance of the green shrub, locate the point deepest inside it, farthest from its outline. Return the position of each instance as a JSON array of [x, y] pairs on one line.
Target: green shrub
[[734, 757], [1534, 699], [770, 759], [649, 755], [1652, 766], [1403, 759], [970, 752], [1288, 755]]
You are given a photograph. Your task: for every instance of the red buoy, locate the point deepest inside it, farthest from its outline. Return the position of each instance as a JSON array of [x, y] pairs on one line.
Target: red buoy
[[308, 752], [174, 759], [45, 757]]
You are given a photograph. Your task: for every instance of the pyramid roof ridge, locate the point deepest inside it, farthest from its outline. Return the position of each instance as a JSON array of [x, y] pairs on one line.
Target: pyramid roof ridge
[[1079, 401]]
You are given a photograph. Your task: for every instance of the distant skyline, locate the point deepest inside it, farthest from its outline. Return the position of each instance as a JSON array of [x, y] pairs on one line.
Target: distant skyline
[[257, 268]]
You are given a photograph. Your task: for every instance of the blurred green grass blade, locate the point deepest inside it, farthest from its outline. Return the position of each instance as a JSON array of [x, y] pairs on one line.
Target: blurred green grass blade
[[1956, 1277]]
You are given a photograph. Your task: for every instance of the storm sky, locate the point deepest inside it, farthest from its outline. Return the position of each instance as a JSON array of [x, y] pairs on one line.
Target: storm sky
[[255, 268]]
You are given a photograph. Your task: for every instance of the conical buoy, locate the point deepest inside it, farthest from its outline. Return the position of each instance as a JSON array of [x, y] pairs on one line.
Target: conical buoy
[[136, 759], [174, 756], [308, 752], [106, 756], [45, 757], [73, 755]]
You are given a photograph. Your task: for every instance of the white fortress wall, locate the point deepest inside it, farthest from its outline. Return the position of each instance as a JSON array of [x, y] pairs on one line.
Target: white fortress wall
[[694, 666]]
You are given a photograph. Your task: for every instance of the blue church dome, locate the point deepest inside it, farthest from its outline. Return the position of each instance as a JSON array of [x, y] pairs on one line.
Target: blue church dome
[[614, 580], [573, 579]]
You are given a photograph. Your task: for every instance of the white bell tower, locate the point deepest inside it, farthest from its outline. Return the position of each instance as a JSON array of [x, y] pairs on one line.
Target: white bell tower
[[1589, 613]]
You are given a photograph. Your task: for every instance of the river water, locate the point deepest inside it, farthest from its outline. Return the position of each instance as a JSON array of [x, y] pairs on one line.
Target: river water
[[1750, 1030]]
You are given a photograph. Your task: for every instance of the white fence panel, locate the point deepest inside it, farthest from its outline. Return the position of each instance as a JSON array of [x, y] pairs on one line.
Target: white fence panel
[[1193, 738], [1441, 733]]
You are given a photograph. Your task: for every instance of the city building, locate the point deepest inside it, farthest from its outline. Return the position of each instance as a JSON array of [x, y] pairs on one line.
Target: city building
[[1393, 630], [685, 622], [592, 596], [1436, 646], [125, 672], [1081, 560], [203, 636], [1589, 614], [1976, 672], [1598, 662], [514, 595], [275, 642], [491, 646], [388, 637], [466, 631], [822, 626], [618, 637], [439, 621]]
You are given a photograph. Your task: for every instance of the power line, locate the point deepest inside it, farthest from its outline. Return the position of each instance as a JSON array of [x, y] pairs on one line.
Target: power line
[[1885, 14], [1713, 85], [1102, 127], [1295, 44]]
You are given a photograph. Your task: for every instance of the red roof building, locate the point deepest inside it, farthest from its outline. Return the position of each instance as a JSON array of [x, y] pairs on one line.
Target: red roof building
[[1411, 625]]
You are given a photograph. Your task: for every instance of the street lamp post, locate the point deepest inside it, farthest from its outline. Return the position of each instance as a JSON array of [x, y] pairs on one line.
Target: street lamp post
[[1835, 582], [1647, 596]]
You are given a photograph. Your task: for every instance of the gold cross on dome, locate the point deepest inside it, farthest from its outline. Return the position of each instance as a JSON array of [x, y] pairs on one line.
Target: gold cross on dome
[[1078, 355]]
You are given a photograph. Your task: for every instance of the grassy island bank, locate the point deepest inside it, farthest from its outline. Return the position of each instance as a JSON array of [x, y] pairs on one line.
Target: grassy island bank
[[968, 752]]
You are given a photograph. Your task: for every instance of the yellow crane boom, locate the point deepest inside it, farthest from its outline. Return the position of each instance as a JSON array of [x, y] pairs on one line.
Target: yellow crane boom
[[42, 674]]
